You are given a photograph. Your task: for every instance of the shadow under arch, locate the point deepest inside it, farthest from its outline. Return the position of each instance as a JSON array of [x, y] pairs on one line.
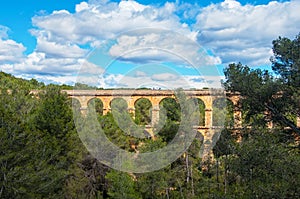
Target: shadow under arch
[[118, 103], [171, 108], [119, 110], [143, 107], [201, 108], [96, 104], [223, 113], [169, 118], [75, 104]]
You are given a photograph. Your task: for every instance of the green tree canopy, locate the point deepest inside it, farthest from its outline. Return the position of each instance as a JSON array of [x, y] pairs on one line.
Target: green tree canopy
[[276, 96]]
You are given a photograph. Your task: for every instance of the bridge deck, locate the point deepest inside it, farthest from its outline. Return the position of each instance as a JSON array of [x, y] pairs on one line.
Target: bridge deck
[[149, 92]]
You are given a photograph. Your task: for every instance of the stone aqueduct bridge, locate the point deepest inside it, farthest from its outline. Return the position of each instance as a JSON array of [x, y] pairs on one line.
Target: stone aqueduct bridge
[[155, 97], [208, 96]]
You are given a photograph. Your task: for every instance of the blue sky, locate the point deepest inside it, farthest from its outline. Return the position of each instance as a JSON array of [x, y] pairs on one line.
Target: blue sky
[[140, 43]]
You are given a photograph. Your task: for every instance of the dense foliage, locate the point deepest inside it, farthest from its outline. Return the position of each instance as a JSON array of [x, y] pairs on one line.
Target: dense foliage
[[41, 155]]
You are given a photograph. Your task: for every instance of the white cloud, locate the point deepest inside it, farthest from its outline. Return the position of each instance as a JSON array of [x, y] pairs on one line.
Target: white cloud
[[147, 34], [128, 22], [131, 6], [82, 6], [37, 63], [155, 45], [50, 57], [160, 80], [244, 33], [50, 79], [10, 50], [89, 68], [92, 22], [53, 49], [164, 77], [118, 81], [140, 74]]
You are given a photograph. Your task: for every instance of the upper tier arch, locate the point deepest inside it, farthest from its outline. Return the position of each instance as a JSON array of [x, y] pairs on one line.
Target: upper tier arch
[[155, 97]]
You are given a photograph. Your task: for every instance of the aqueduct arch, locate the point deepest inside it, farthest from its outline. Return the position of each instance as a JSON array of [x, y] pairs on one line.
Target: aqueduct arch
[[145, 118], [155, 97], [97, 104]]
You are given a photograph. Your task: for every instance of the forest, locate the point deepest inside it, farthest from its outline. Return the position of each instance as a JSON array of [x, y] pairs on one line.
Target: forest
[[41, 155]]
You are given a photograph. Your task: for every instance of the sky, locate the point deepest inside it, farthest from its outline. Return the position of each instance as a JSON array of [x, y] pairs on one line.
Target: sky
[[143, 43]]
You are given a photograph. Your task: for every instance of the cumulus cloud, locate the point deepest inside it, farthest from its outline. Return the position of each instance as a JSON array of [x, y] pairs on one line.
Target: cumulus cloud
[[37, 63], [140, 34], [93, 22], [244, 33], [163, 81], [58, 50], [128, 22], [233, 32], [10, 50], [123, 81], [153, 45], [50, 79], [90, 68], [164, 77]]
